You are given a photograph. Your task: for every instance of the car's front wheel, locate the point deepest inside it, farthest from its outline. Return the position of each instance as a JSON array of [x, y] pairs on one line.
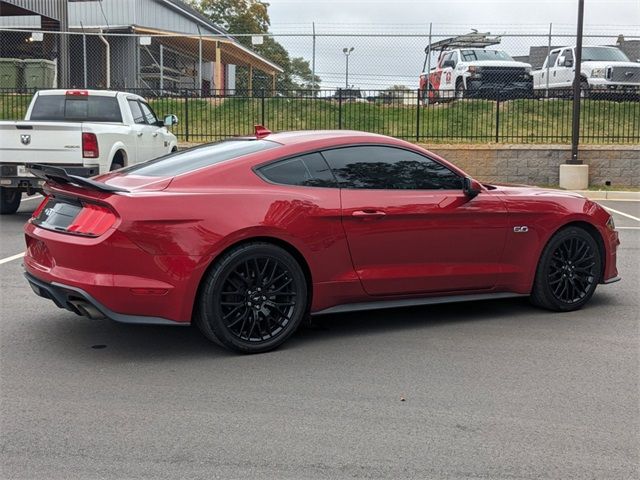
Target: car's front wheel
[[568, 271], [253, 298]]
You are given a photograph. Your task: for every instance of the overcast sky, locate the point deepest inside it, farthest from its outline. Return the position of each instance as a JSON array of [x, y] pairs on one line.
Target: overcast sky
[[380, 62]]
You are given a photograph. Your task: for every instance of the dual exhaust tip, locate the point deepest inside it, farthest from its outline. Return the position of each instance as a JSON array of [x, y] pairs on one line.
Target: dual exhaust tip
[[85, 309]]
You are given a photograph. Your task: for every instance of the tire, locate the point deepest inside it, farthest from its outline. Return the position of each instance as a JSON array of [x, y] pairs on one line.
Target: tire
[[252, 299], [460, 91], [9, 200], [568, 272], [118, 161], [584, 89]]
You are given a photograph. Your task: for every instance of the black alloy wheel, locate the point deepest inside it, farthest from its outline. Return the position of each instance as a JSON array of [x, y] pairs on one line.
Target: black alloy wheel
[[569, 271], [253, 299]]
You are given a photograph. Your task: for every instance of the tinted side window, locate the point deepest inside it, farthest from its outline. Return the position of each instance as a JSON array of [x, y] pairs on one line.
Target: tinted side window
[[551, 61], [138, 116], [389, 169], [307, 170]]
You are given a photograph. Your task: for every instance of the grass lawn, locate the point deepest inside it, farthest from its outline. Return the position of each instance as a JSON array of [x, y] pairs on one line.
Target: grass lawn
[[465, 121]]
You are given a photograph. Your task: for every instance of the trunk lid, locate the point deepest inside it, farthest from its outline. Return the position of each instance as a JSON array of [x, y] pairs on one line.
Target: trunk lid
[[33, 142]]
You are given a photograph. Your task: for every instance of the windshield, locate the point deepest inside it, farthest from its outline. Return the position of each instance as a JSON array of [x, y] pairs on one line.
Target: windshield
[[197, 157], [481, 54], [603, 54]]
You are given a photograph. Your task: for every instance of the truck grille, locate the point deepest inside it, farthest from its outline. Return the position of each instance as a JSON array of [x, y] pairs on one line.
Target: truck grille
[[625, 74], [503, 74]]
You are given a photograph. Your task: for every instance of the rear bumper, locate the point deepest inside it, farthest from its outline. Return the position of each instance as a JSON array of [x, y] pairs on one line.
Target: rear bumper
[[113, 275], [80, 302], [14, 175]]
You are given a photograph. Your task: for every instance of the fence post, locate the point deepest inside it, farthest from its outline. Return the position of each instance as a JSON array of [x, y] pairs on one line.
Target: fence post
[[339, 109], [262, 116], [186, 115], [418, 115], [498, 117]]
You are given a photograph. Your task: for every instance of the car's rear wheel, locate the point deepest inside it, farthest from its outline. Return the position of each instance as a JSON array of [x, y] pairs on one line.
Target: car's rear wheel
[[568, 272], [253, 298], [9, 200]]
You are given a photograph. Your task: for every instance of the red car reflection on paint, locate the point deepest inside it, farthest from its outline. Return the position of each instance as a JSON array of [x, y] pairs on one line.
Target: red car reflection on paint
[[248, 236]]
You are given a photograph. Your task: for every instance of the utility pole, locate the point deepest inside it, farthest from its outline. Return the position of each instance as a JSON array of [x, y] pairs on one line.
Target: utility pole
[[575, 130], [574, 175], [63, 46], [347, 52]]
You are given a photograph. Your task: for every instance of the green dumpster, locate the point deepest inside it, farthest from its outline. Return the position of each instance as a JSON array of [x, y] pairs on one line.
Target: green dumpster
[[39, 73], [10, 72]]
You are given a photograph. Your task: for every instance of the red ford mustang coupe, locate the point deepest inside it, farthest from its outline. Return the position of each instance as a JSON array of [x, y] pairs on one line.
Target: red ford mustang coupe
[[247, 236]]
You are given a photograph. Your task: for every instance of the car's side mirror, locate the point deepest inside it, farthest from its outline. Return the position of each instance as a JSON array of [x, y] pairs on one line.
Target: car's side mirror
[[170, 120], [448, 64], [471, 187]]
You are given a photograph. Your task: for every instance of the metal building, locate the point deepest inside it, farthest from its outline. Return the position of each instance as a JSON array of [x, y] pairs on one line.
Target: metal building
[[125, 44]]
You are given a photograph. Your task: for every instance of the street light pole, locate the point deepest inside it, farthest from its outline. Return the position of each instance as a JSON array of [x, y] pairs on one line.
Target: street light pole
[[575, 123], [347, 52], [574, 175]]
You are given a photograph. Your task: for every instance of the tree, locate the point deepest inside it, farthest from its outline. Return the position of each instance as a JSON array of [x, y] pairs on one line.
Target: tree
[[237, 16], [251, 17]]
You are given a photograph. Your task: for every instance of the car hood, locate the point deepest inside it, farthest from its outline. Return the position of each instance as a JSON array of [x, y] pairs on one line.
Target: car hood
[[528, 190], [604, 64], [499, 63]]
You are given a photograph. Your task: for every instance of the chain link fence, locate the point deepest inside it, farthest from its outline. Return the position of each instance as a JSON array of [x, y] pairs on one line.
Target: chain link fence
[[469, 87]]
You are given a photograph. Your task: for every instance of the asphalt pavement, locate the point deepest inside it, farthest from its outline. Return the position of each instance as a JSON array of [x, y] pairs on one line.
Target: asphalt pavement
[[483, 390]]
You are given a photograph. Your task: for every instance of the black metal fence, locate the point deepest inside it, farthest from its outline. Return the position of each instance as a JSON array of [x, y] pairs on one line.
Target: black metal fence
[[538, 117]]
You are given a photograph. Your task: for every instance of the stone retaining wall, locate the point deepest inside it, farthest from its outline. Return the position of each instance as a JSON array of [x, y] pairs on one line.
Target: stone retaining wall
[[540, 164]]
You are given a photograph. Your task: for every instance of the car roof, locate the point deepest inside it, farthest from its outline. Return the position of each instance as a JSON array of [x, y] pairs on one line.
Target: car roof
[[326, 136]]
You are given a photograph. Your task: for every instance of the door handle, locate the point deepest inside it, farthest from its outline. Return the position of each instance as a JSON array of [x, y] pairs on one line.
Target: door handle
[[368, 214], [139, 134], [154, 134]]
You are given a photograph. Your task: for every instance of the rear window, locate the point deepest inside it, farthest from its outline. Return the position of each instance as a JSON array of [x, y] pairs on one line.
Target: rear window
[[76, 108], [198, 157]]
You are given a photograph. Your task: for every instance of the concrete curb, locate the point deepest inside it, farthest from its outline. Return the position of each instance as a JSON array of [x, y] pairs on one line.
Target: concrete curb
[[609, 195]]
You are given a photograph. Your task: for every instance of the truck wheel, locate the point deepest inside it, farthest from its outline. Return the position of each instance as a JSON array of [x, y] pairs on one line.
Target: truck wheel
[[9, 200], [584, 89], [460, 93]]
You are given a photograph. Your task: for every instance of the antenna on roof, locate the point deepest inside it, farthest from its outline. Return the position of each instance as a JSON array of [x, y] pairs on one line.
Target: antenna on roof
[[261, 131]]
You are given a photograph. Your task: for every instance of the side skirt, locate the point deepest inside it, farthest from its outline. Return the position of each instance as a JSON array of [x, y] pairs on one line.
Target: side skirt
[[412, 302]]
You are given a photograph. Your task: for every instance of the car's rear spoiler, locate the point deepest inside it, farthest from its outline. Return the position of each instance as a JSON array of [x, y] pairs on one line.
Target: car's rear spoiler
[[60, 175]]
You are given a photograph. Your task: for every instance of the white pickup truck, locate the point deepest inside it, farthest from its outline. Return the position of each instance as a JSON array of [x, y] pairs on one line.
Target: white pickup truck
[[88, 132], [602, 69]]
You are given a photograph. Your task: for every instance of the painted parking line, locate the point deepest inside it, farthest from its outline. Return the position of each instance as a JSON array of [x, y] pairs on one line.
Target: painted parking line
[[627, 228], [32, 197], [11, 258], [621, 213]]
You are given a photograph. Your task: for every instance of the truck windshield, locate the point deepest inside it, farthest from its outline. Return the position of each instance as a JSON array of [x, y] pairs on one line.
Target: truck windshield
[[603, 54], [84, 108], [480, 54]]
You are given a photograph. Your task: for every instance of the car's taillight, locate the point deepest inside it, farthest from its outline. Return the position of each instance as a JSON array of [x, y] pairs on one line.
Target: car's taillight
[[90, 145], [92, 221], [38, 210]]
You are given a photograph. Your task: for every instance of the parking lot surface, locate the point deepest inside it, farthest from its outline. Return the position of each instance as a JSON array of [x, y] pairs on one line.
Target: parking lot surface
[[491, 390]]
